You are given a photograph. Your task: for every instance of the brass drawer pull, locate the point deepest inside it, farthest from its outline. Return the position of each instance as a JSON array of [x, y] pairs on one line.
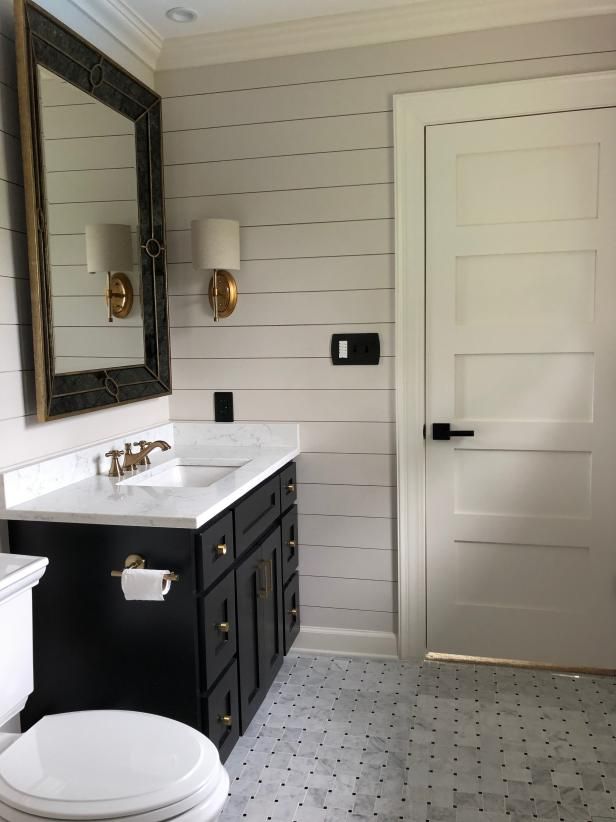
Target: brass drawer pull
[[290, 486], [293, 612], [221, 549], [224, 627], [291, 543], [226, 719], [263, 587], [269, 577]]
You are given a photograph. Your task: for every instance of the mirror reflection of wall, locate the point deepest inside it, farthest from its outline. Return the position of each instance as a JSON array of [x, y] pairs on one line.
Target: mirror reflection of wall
[[90, 177]]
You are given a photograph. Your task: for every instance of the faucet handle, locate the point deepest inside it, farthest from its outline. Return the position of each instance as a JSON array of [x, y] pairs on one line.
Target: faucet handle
[[142, 444], [115, 469], [128, 465]]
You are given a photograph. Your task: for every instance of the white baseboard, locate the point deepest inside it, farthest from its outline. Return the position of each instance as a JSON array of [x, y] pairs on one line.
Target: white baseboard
[[346, 642]]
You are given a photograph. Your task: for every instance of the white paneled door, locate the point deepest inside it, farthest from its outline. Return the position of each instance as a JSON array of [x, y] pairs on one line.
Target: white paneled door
[[521, 350]]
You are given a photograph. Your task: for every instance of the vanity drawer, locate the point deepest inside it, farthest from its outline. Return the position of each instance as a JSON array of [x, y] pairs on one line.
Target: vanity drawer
[[291, 612], [290, 544], [255, 514], [217, 549], [288, 486], [221, 713], [219, 630]]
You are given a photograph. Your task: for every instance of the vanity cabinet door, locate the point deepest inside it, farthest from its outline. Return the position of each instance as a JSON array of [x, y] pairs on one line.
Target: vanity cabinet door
[[221, 713], [271, 647], [250, 587], [258, 582], [291, 613], [216, 550], [288, 486], [219, 629], [256, 513], [290, 544]]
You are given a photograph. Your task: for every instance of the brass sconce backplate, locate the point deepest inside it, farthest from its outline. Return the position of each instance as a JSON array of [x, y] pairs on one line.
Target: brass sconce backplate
[[227, 293], [120, 295]]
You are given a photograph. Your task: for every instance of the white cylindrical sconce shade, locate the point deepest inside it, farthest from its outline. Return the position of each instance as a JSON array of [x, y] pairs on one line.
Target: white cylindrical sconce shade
[[215, 244], [108, 247]]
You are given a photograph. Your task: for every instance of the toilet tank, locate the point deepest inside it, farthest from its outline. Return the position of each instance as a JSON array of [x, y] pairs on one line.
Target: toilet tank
[[18, 575]]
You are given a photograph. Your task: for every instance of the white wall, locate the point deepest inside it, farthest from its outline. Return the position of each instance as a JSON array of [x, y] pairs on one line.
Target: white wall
[[299, 149], [21, 437]]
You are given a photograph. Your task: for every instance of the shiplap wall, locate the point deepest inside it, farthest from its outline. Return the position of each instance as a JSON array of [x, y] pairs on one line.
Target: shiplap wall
[[21, 437], [299, 149]]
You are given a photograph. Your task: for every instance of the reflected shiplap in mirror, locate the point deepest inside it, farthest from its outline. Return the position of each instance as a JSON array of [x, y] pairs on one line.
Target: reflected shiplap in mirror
[[90, 178]]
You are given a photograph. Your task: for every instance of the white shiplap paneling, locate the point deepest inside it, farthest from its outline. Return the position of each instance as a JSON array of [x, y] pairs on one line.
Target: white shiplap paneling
[[351, 273], [348, 469], [291, 405], [304, 308], [250, 342], [281, 373], [370, 201], [362, 563], [299, 149]]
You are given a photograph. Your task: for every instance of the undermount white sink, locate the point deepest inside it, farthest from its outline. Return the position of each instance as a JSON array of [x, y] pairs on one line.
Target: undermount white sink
[[185, 473]]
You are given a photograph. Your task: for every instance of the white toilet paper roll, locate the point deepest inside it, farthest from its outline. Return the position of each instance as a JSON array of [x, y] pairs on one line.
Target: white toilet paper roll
[[145, 584]]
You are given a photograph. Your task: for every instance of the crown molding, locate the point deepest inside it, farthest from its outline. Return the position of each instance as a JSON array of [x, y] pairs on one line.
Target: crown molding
[[125, 26], [422, 18]]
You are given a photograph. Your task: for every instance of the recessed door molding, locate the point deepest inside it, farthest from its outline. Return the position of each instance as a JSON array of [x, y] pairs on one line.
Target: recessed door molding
[[413, 113]]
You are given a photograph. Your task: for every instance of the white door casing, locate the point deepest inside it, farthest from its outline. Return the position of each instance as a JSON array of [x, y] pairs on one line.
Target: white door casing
[[542, 436]]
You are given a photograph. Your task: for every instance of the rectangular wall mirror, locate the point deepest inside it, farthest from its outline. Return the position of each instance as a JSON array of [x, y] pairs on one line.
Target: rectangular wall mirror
[[91, 144]]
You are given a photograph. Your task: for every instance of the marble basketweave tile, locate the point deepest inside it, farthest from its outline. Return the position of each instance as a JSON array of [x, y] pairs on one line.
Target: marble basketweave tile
[[352, 740]]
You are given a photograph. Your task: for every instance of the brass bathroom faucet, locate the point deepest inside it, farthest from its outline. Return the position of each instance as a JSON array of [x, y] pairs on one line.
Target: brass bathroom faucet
[[132, 461]]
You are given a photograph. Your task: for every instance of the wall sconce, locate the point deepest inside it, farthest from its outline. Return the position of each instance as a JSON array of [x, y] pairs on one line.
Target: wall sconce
[[109, 248], [216, 245]]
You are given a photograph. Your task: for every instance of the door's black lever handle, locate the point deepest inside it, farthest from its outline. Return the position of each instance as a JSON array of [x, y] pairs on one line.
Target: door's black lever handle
[[442, 431]]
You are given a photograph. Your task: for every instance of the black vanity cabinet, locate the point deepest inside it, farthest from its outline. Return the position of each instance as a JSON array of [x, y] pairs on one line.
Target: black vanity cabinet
[[205, 656]]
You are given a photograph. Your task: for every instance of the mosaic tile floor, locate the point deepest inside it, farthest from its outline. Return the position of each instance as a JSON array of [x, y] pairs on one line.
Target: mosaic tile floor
[[354, 739]]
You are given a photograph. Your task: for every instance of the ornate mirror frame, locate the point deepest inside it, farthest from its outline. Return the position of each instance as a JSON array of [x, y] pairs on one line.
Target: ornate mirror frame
[[43, 41]]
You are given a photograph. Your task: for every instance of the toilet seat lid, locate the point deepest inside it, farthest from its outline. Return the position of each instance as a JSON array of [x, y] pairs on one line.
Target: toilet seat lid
[[103, 764]]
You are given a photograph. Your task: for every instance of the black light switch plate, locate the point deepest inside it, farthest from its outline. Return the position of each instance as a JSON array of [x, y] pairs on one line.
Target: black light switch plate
[[355, 349], [223, 406]]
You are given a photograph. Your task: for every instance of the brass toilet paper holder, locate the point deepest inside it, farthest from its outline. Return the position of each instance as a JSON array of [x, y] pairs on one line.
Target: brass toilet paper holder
[[136, 561]]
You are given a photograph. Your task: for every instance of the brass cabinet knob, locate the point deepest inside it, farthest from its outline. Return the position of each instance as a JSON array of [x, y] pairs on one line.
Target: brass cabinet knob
[[224, 627], [291, 543], [290, 487], [226, 719], [293, 612], [221, 549]]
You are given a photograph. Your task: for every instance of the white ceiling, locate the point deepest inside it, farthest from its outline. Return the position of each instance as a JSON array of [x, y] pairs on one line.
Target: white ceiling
[[227, 15]]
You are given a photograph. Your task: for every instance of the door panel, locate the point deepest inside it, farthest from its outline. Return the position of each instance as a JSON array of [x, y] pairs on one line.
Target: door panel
[[255, 514], [221, 712], [290, 544], [521, 348], [248, 585], [219, 629], [271, 639], [216, 550], [291, 613]]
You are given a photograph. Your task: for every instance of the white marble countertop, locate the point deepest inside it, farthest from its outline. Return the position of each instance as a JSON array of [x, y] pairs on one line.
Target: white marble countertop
[[99, 499]]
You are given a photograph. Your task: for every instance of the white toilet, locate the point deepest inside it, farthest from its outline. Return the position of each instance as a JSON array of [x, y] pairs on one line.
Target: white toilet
[[92, 765]]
